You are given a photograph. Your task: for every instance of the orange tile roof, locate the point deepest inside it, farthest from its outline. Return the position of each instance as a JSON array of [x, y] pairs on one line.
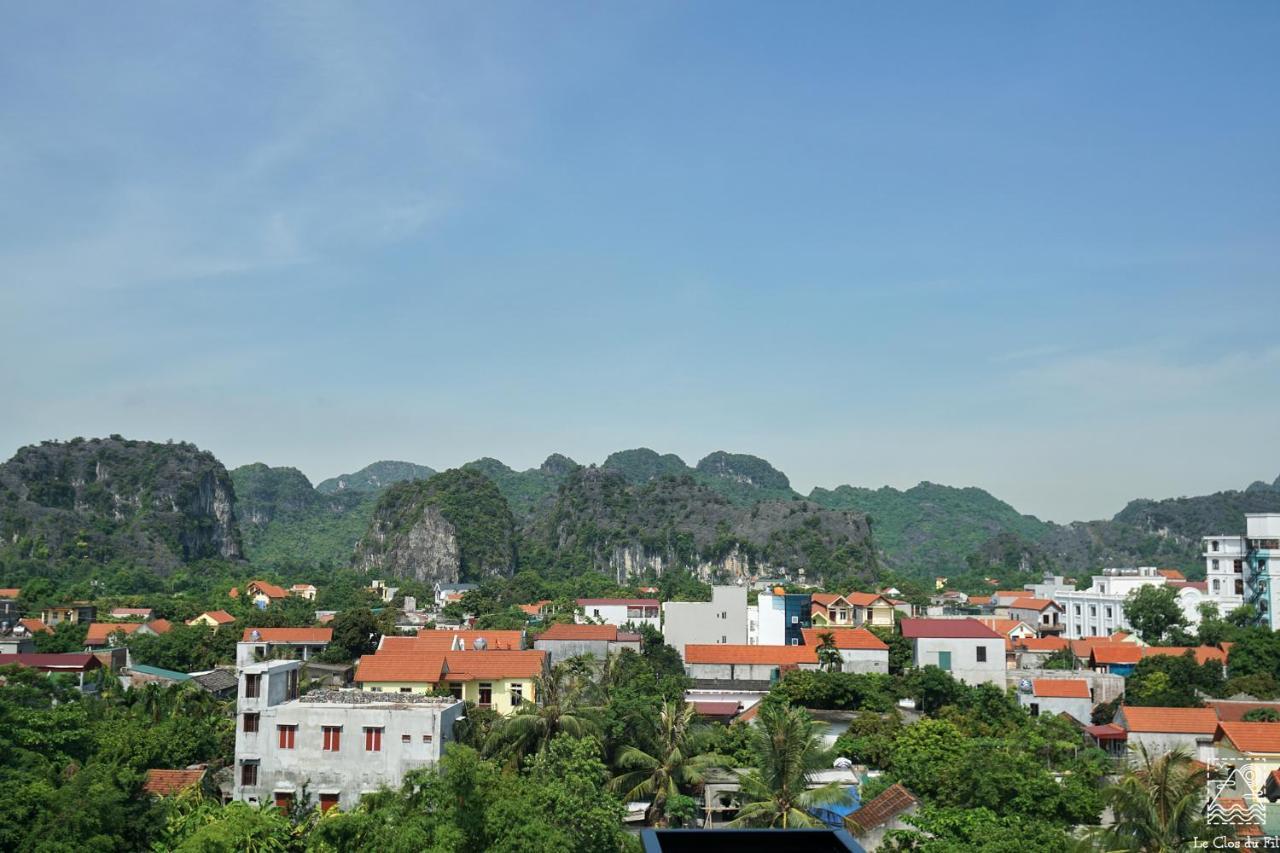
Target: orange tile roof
[[270, 590], [1033, 604], [99, 631], [1251, 737], [424, 666], [10, 592], [35, 626], [1187, 721], [864, 599], [1009, 593], [826, 599], [534, 609], [979, 599], [1203, 653], [1122, 654], [222, 617], [288, 635], [160, 626], [744, 654], [164, 783], [1172, 574], [443, 640], [882, 808], [563, 631], [474, 666], [1003, 626], [1061, 688], [845, 638]]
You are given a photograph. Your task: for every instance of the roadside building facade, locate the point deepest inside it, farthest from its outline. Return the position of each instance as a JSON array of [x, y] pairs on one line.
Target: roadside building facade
[[332, 745], [621, 612], [969, 650], [721, 620]]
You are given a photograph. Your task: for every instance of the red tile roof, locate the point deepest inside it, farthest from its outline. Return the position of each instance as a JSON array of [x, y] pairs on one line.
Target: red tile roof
[[1041, 644], [1061, 688], [1115, 654], [99, 631], [1203, 653], [715, 709], [1033, 604], [563, 631], [1251, 737], [864, 599], [288, 635], [270, 590], [1107, 731], [845, 638], [164, 783], [1168, 720], [763, 655], [424, 666], [443, 640], [1233, 712], [475, 666], [53, 662], [881, 809], [629, 602], [35, 626], [221, 617], [967, 629]]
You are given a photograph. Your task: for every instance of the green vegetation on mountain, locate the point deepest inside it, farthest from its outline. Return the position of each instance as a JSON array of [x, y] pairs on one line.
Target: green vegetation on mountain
[[744, 479], [456, 525], [642, 465], [602, 522], [932, 529], [94, 501], [286, 522], [525, 491], [375, 477]]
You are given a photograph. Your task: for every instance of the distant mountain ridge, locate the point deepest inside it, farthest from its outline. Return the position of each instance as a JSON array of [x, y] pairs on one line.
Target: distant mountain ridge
[[160, 505]]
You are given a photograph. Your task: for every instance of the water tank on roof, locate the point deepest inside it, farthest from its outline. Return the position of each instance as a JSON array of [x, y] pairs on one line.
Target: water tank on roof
[[255, 635], [777, 590], [480, 644], [1025, 685]]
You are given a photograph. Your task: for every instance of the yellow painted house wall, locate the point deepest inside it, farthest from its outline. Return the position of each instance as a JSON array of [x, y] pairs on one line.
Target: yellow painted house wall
[[205, 619], [470, 690]]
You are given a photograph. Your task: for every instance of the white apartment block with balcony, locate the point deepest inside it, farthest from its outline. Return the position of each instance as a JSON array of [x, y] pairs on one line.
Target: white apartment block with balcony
[[1226, 570], [1262, 550], [1099, 610], [334, 745]]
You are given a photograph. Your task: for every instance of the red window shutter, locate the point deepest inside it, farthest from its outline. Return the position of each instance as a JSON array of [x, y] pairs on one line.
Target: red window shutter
[[328, 801], [283, 800]]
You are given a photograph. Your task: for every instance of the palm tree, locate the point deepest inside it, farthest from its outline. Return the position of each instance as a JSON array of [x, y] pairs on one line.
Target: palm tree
[[673, 763], [789, 751], [829, 658], [533, 726], [1157, 804]]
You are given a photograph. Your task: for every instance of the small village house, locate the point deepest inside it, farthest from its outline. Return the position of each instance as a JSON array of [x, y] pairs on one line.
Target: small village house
[[969, 650], [1162, 729]]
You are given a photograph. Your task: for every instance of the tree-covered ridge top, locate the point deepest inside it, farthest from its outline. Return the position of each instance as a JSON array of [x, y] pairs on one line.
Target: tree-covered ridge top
[[375, 477]]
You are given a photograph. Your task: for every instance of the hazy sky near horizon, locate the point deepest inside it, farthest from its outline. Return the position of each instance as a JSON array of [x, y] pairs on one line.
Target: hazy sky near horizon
[[1029, 247]]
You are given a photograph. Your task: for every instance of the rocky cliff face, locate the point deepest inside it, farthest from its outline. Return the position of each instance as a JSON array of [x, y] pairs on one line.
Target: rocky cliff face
[[104, 499], [455, 526], [602, 521], [425, 550]]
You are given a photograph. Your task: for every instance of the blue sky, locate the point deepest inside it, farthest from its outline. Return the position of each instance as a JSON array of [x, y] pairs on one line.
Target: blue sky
[[1030, 247]]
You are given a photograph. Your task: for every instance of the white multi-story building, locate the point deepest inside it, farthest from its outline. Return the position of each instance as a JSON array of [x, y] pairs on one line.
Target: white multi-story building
[[1239, 568], [722, 620], [1225, 571], [1099, 610], [331, 745], [620, 612]]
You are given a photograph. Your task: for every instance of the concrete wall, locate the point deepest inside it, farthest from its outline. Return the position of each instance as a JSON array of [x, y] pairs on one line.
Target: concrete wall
[[865, 660], [616, 614], [721, 620], [1081, 709], [254, 652], [561, 650], [964, 658], [351, 770], [736, 671], [1157, 743]]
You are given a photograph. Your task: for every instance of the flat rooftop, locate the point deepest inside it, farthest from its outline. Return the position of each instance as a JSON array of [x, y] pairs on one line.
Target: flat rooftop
[[333, 696]]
